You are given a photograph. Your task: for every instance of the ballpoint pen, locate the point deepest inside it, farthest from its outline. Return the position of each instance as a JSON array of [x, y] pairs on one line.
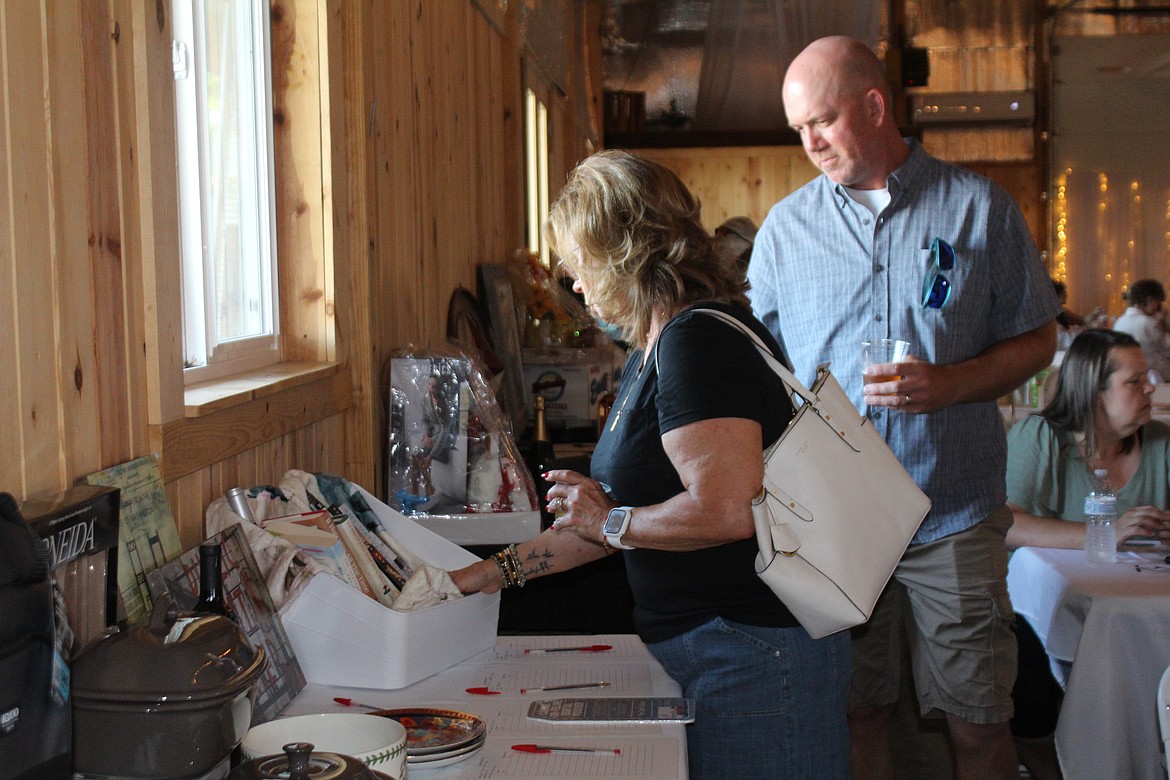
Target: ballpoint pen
[[527, 748], [566, 687], [351, 703], [582, 649]]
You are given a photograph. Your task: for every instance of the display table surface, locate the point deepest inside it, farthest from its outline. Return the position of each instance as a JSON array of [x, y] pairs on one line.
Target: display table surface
[[1107, 629], [655, 751]]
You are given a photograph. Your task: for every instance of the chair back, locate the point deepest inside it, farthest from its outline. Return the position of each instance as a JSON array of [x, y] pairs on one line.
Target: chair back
[[1164, 716]]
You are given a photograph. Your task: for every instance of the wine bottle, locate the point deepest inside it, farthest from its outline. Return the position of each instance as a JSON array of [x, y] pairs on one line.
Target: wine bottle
[[541, 457], [211, 591]]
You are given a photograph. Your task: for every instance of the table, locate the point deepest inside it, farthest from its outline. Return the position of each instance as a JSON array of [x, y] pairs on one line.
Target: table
[[654, 752], [1107, 629]]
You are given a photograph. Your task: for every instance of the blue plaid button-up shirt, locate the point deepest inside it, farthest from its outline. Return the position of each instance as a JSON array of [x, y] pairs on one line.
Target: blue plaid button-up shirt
[[826, 275]]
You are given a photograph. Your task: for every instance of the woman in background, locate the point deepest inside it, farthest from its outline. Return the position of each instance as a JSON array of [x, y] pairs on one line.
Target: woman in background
[[1099, 418], [674, 473]]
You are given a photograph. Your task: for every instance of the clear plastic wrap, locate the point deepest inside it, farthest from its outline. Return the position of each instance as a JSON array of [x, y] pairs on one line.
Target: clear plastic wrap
[[451, 449], [554, 318]]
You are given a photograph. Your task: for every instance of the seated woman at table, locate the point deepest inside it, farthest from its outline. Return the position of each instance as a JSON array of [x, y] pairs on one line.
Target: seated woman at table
[[1099, 418], [674, 473]]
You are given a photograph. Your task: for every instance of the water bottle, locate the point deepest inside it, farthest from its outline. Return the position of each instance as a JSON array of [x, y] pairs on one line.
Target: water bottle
[[1101, 521]]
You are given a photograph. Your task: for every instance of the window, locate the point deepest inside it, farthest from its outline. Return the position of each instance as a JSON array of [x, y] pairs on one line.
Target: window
[[536, 160], [223, 111]]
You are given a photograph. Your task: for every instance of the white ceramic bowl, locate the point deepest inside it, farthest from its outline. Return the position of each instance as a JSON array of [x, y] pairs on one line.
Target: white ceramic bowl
[[379, 742]]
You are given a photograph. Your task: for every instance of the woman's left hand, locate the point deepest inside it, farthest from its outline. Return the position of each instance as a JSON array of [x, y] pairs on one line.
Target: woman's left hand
[[1144, 521], [580, 504]]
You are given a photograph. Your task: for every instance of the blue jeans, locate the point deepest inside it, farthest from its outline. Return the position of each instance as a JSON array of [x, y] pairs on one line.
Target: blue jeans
[[771, 703]]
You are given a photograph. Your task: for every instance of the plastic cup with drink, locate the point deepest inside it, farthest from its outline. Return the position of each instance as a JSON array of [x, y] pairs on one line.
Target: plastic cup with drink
[[882, 351]]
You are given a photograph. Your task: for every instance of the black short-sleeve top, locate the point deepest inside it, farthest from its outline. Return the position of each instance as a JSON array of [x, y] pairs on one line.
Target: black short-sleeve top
[[705, 369]]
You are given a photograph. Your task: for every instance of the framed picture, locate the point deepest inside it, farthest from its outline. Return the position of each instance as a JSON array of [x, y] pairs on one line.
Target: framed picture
[[501, 309], [494, 11], [247, 594]]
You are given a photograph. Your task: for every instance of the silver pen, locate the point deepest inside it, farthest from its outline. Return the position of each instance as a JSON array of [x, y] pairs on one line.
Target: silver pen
[[566, 687]]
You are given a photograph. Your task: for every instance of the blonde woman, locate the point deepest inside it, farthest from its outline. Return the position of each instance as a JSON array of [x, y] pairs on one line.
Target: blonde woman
[[673, 476]]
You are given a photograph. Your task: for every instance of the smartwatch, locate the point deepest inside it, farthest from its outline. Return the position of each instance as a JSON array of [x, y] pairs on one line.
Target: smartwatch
[[616, 524]]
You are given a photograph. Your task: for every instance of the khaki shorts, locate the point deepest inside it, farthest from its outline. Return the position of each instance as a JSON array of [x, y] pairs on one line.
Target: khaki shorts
[[951, 595]]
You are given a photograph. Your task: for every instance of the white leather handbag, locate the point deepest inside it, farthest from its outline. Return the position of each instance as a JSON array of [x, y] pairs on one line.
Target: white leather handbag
[[836, 511]]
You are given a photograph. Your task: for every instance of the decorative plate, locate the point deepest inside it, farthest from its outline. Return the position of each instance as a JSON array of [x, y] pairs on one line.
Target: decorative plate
[[432, 760], [430, 731]]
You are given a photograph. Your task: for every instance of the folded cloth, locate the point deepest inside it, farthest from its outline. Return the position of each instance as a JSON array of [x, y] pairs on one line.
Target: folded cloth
[[427, 587]]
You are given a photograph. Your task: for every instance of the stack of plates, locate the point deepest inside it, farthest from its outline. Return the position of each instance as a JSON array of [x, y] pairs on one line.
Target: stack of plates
[[436, 738]]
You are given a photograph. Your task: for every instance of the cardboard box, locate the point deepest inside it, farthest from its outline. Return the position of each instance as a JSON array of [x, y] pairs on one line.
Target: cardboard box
[[342, 637], [76, 524], [572, 382]]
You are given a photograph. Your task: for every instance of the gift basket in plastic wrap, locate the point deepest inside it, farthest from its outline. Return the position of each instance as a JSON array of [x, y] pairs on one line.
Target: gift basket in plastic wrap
[[452, 463]]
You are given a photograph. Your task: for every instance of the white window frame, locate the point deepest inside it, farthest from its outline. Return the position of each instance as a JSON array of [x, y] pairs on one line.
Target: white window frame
[[207, 356]]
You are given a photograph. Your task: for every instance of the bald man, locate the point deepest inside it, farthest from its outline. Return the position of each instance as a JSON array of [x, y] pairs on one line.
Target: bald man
[[891, 243]]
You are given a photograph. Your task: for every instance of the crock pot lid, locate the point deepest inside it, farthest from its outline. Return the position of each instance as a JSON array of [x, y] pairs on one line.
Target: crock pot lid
[[201, 655]]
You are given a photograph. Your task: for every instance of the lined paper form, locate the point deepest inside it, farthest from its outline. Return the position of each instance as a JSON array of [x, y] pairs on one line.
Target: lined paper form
[[653, 758], [651, 751]]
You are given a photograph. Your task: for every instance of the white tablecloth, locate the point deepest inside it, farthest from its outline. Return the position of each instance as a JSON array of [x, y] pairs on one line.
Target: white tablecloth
[[1107, 626], [652, 752]]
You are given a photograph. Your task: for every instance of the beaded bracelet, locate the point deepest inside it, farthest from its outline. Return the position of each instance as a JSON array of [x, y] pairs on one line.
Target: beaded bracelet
[[499, 559], [511, 570]]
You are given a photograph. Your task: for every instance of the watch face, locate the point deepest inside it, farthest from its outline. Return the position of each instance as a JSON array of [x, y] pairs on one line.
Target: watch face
[[615, 520]]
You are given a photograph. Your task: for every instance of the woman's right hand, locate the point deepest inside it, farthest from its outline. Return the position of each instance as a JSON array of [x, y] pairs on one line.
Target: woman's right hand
[[1144, 521]]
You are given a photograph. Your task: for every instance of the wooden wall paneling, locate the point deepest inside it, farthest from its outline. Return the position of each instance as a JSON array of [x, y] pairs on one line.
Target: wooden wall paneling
[[80, 426], [12, 471], [109, 303], [733, 181], [30, 212], [400, 195], [188, 499], [490, 159], [356, 311], [233, 431], [1019, 179], [482, 162], [454, 193], [145, 100], [738, 180], [298, 146], [466, 103], [327, 439], [463, 212], [274, 458], [393, 188], [800, 170], [426, 70], [512, 135]]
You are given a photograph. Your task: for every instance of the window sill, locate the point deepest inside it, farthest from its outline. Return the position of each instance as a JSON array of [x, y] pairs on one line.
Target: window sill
[[205, 398], [224, 418]]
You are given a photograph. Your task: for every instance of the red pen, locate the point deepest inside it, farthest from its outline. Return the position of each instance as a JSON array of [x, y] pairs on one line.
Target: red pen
[[483, 691], [351, 703], [526, 748], [584, 649]]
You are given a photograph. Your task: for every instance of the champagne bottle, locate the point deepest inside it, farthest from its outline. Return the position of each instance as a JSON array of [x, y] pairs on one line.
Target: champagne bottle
[[541, 458], [211, 591]]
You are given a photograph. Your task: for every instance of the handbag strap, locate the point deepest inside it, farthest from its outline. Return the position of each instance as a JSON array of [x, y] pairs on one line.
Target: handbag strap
[[787, 377]]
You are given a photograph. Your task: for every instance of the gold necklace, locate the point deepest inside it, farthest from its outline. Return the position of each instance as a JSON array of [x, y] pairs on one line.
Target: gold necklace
[[651, 338], [626, 400]]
